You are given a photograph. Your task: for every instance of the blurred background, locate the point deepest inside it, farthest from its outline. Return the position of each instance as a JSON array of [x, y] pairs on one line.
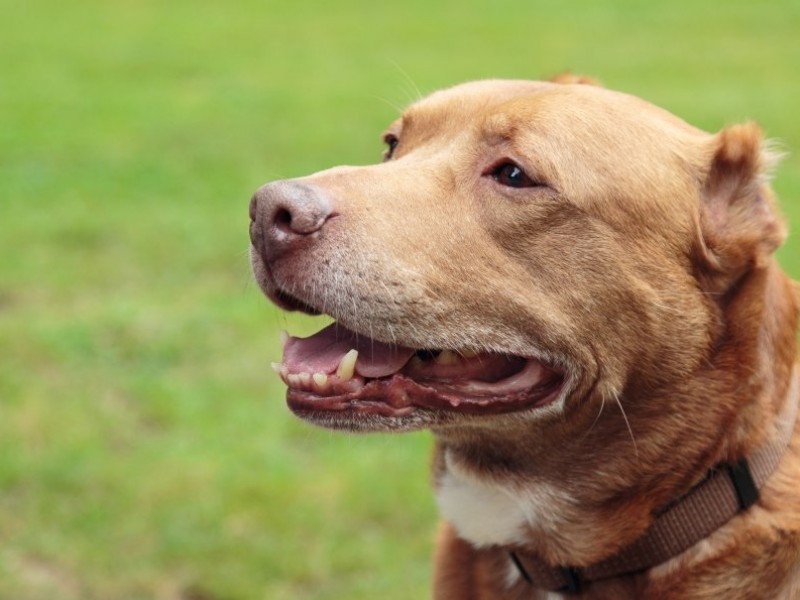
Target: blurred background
[[145, 448]]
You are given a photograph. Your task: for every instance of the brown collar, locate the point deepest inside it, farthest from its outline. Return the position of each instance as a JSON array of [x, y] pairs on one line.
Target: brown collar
[[726, 490]]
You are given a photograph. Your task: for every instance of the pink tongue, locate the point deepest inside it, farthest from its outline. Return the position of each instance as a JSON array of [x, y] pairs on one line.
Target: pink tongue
[[322, 352]]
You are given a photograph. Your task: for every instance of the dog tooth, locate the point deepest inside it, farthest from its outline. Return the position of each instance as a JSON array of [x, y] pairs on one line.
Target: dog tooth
[[281, 371], [284, 336], [347, 365], [447, 357], [305, 379], [320, 379]]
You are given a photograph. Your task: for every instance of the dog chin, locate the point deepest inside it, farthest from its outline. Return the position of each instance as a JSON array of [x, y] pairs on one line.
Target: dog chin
[[351, 423]]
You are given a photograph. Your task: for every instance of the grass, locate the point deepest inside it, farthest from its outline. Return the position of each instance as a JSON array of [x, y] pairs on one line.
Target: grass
[[145, 451]]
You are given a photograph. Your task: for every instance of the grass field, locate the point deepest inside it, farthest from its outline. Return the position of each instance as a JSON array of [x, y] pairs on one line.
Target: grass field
[[145, 449]]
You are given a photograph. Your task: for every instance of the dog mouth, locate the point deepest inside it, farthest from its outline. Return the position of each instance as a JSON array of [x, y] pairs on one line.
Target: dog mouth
[[339, 370]]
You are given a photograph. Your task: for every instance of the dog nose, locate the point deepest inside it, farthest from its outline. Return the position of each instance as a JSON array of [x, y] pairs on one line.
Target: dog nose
[[284, 213]]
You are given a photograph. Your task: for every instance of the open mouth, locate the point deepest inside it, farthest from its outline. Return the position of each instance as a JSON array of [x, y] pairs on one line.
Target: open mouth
[[339, 370]]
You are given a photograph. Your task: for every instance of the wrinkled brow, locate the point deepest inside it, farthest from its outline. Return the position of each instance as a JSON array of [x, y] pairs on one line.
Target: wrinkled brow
[[499, 129]]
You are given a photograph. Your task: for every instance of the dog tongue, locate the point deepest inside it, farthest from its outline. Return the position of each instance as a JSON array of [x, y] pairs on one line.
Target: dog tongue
[[322, 352]]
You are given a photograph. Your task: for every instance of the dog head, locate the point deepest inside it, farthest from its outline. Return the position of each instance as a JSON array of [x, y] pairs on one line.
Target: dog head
[[525, 251]]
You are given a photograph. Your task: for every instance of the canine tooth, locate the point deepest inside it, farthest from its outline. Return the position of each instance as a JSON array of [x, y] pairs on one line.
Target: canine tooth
[[284, 374], [305, 379], [284, 335], [347, 365], [320, 379], [277, 367], [447, 357]]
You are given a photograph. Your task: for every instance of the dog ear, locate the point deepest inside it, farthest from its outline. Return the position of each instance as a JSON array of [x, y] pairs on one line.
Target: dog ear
[[739, 224], [567, 77]]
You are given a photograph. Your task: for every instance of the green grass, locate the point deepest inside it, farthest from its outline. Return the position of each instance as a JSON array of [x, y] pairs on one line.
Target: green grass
[[145, 450]]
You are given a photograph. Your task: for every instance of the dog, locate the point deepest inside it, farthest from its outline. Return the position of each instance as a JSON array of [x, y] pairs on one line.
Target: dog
[[575, 292]]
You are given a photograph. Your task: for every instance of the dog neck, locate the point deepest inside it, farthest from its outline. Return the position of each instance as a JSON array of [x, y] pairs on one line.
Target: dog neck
[[727, 491], [580, 495]]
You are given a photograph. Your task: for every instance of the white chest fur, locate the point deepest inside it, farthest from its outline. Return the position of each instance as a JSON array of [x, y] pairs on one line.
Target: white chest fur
[[490, 512]]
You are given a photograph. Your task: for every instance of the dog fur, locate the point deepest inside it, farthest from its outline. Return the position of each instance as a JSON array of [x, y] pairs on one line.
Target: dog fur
[[642, 264]]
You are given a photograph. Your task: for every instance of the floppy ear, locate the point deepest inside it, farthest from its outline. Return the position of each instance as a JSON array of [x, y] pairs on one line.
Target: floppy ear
[[567, 77], [739, 223]]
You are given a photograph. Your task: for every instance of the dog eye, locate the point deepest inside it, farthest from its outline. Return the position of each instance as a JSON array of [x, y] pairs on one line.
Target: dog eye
[[391, 141], [511, 175]]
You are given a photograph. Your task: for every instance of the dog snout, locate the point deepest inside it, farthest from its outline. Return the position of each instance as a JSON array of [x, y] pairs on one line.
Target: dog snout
[[284, 214]]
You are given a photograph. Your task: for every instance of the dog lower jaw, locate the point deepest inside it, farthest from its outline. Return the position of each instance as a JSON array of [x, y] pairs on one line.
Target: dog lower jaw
[[350, 422], [398, 403]]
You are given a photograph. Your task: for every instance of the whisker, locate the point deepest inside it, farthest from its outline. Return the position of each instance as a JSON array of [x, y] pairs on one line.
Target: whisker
[[389, 103], [408, 79], [627, 423], [597, 418]]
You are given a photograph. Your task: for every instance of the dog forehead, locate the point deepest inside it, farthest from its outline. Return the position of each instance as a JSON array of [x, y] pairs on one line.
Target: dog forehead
[[583, 112], [473, 95], [464, 104], [505, 109]]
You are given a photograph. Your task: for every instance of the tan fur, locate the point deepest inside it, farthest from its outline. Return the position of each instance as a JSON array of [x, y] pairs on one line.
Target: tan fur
[[645, 266], [568, 77]]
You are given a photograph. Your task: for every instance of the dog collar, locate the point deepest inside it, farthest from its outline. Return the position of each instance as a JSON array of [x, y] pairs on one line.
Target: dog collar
[[727, 490]]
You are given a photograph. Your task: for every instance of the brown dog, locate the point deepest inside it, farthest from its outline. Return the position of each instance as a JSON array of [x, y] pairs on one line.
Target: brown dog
[[576, 292]]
